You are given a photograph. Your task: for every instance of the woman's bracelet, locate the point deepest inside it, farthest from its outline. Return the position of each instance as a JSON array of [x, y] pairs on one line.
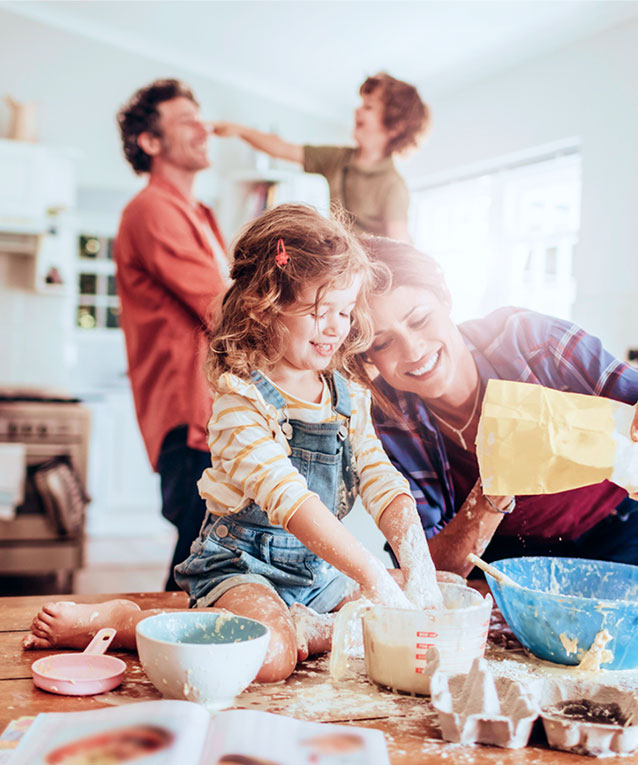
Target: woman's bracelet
[[504, 510]]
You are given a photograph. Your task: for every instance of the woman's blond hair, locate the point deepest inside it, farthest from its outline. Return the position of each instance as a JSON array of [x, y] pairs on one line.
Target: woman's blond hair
[[249, 334]]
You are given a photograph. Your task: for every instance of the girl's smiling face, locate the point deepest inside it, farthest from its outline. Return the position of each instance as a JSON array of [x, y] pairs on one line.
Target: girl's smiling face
[[317, 331], [417, 347]]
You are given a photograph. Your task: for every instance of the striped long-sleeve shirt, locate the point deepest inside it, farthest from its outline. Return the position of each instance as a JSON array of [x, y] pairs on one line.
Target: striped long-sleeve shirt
[[249, 453], [520, 345]]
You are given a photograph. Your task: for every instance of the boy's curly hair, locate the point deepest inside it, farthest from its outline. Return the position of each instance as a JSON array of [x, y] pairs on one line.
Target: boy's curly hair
[[404, 112], [140, 115], [249, 334]]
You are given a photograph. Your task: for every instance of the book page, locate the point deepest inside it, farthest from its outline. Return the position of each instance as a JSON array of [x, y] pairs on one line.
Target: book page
[[261, 738], [155, 733]]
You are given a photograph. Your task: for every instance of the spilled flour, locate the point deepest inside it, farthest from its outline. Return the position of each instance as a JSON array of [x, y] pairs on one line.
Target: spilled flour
[[552, 683]]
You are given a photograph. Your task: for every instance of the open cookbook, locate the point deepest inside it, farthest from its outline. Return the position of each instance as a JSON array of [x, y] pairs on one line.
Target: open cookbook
[[179, 732]]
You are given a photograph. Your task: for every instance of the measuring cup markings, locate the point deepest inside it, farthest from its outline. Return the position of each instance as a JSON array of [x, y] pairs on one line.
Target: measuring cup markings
[[427, 634]]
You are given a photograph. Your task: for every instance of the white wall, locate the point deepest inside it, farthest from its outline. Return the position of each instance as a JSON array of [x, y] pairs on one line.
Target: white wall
[[79, 85], [588, 90]]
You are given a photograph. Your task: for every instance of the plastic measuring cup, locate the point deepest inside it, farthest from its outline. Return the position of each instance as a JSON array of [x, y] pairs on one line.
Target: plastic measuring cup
[[81, 674], [396, 641]]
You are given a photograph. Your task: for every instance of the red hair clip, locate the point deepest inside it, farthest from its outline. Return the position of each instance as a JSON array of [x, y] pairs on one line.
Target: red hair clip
[[281, 258]]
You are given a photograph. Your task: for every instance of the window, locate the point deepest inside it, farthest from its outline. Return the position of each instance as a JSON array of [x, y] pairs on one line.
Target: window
[[97, 304], [505, 236]]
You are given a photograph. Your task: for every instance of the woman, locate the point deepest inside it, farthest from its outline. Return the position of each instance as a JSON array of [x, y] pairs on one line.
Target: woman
[[428, 394]]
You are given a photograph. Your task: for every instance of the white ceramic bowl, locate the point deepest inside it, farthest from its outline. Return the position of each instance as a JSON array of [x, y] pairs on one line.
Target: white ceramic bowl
[[201, 656]]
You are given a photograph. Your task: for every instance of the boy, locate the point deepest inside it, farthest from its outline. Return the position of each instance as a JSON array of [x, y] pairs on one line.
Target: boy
[[362, 179]]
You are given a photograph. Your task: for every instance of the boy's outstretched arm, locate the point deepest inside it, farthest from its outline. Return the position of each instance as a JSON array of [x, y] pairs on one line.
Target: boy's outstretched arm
[[319, 530], [401, 526], [267, 142]]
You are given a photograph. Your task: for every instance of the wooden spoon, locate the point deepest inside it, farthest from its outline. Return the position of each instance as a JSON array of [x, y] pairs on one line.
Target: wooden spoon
[[498, 575]]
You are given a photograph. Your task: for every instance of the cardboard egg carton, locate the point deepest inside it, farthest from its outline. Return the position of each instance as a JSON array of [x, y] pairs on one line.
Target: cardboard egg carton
[[480, 708], [612, 727], [477, 708]]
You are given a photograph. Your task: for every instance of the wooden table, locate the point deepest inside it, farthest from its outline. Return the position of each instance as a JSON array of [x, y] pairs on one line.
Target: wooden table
[[409, 724]]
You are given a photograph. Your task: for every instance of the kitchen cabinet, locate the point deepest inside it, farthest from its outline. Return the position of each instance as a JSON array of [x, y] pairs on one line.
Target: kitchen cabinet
[[37, 199], [34, 180]]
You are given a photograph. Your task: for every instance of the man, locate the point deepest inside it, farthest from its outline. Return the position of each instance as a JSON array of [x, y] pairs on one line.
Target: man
[[171, 265], [362, 179]]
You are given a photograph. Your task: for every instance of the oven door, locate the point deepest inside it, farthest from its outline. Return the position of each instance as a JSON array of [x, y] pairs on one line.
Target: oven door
[[30, 543]]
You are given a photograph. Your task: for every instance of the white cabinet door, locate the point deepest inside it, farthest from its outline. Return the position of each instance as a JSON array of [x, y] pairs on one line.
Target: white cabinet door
[[125, 490], [33, 180], [21, 190]]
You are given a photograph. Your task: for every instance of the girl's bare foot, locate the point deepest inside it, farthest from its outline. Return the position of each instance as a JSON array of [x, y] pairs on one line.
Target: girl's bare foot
[[65, 624], [313, 630]]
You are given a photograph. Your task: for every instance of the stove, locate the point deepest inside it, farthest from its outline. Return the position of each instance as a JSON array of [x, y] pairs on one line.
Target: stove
[[51, 426]]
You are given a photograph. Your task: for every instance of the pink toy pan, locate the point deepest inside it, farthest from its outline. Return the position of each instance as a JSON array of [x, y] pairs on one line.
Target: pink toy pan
[[81, 674]]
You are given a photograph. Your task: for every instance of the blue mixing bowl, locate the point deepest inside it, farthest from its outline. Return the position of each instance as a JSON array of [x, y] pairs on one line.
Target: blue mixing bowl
[[573, 598]]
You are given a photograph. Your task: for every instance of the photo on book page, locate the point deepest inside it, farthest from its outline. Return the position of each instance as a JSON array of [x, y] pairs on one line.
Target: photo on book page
[[157, 732], [261, 738], [178, 732]]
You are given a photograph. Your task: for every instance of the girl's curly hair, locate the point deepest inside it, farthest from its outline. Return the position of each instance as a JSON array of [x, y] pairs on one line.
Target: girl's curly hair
[[404, 113], [249, 334]]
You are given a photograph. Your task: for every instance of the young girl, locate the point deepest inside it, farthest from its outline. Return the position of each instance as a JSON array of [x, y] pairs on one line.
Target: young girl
[[292, 446]]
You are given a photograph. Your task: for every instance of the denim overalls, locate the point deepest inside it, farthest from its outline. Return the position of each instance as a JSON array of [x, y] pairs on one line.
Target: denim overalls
[[245, 547]]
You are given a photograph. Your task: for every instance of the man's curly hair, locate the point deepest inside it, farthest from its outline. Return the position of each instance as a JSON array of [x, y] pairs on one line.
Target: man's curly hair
[[140, 115], [403, 110]]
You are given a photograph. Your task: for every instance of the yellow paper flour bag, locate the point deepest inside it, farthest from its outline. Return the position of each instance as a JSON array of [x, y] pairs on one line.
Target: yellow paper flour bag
[[536, 440]]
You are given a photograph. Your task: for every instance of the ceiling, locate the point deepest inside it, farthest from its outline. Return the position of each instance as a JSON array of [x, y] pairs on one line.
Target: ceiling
[[314, 53]]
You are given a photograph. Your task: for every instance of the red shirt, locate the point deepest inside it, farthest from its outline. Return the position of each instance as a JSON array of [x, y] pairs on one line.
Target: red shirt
[[168, 281], [563, 515]]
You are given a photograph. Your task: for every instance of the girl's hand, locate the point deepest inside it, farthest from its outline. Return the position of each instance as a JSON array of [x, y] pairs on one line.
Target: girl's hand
[[383, 590], [423, 590], [414, 556]]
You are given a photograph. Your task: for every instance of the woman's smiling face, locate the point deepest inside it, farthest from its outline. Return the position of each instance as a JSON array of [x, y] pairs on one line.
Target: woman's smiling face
[[417, 347]]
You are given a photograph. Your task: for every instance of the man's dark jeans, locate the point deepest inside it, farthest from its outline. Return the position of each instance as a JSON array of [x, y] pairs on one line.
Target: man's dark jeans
[[180, 467]]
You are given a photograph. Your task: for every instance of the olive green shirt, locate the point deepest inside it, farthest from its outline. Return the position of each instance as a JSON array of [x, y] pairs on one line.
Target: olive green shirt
[[373, 196]]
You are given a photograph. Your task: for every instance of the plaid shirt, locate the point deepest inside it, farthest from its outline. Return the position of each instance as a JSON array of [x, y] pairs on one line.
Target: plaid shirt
[[520, 345]]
